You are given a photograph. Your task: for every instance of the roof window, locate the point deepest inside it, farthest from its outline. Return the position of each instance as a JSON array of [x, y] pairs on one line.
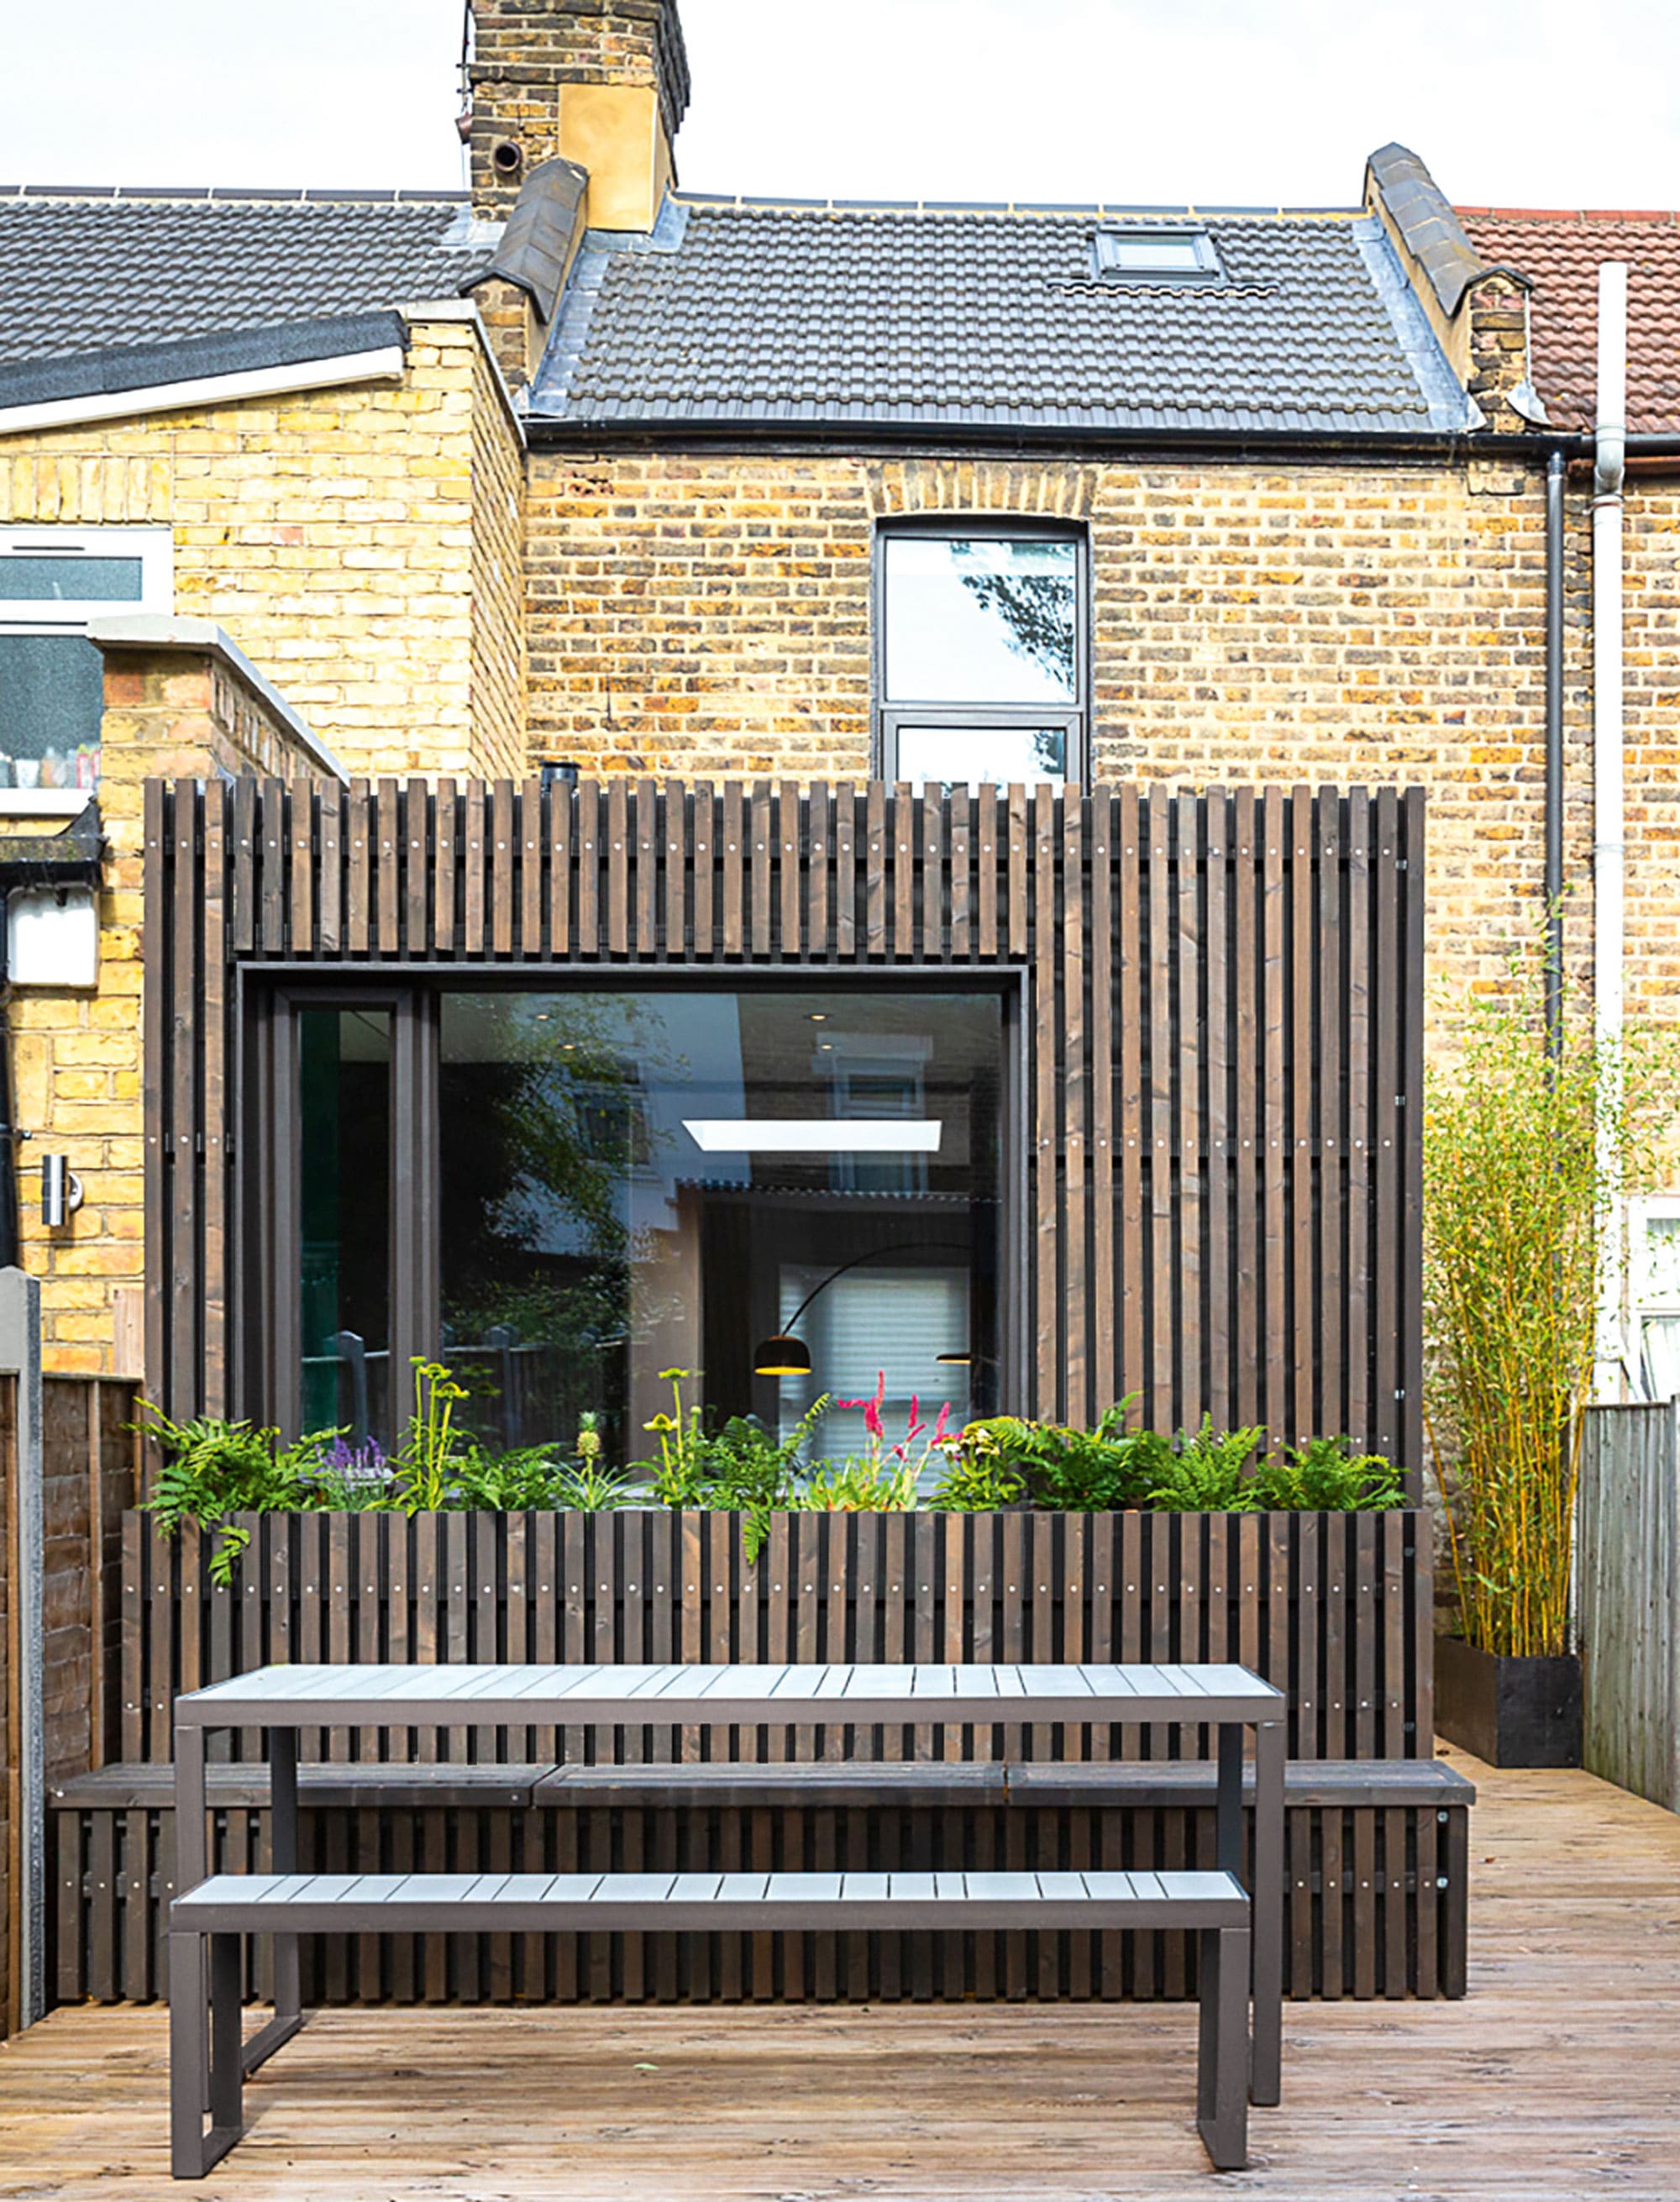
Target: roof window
[[1158, 256]]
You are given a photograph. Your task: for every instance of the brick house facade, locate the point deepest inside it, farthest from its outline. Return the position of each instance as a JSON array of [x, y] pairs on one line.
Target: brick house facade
[[661, 555]]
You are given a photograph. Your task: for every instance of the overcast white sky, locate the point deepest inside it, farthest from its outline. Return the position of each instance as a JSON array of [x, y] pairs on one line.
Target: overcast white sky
[[1237, 101]]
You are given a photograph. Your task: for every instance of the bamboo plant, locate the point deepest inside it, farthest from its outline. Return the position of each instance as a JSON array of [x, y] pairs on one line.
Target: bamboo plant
[[1527, 1152]]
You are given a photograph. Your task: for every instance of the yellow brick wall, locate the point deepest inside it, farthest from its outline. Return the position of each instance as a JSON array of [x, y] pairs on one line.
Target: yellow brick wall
[[1315, 625], [497, 574], [362, 546], [1651, 707], [77, 1057], [332, 533]]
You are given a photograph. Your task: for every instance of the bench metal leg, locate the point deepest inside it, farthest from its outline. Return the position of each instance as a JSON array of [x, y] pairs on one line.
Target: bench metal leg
[[1222, 2061], [204, 2061]]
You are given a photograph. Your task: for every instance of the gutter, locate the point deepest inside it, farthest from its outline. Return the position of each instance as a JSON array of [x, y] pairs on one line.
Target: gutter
[[864, 438], [1609, 822]]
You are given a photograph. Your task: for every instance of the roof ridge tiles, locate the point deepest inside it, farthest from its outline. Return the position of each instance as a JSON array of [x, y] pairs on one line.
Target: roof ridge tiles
[[1101, 209], [1579, 215], [128, 194]]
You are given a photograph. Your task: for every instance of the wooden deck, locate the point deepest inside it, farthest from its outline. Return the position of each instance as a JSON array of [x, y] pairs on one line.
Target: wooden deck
[[1558, 2079]]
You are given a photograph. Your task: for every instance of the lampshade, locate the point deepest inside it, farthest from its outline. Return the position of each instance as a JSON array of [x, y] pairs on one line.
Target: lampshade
[[782, 1357]]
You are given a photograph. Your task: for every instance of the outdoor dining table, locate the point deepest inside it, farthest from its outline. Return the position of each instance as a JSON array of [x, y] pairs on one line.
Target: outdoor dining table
[[284, 1699]]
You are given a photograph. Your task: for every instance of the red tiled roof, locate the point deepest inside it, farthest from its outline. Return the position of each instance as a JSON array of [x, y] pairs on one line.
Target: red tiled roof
[[1560, 254]]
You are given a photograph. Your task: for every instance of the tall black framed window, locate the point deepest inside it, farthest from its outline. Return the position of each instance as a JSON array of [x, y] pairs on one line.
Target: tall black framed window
[[982, 652], [561, 1190]]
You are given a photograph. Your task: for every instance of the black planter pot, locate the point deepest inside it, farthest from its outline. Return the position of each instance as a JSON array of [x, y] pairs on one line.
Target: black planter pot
[[1510, 1711]]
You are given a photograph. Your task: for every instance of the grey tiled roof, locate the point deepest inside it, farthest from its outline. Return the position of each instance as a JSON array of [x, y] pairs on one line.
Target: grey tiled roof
[[82, 271], [737, 310]]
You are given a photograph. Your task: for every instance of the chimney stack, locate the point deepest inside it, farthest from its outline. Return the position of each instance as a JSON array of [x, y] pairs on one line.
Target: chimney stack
[[602, 83]]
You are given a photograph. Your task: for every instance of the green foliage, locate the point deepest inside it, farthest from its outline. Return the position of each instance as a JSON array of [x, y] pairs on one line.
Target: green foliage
[[499, 1482], [209, 1469], [1326, 1476], [1075, 1471], [1206, 1473], [861, 1483], [738, 1467], [426, 1465], [979, 1475], [1526, 1156]]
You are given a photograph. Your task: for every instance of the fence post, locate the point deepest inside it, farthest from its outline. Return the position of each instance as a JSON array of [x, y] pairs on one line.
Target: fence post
[[21, 1356]]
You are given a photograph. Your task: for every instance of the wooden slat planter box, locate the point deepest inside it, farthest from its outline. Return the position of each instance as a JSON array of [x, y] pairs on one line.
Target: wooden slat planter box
[[1337, 1607]]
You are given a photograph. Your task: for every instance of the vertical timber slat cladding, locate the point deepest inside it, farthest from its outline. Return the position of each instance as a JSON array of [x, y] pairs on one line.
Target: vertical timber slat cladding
[[1222, 1030], [531, 867], [1410, 1130], [1216, 1128], [1105, 1370], [216, 1185], [416, 870]]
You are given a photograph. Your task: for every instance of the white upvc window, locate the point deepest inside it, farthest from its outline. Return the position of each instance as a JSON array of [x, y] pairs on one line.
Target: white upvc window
[[53, 581], [1654, 1290]]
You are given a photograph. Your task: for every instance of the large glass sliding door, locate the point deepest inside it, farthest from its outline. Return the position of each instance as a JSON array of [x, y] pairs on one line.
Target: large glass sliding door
[[602, 1182]]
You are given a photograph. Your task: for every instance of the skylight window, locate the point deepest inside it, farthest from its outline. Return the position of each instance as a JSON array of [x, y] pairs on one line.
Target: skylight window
[[1174, 256]]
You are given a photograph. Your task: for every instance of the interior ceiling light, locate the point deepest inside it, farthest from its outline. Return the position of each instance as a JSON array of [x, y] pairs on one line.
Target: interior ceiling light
[[815, 1135]]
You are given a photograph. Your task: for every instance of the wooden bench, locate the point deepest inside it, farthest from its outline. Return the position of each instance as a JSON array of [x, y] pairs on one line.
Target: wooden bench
[[209, 2060], [1389, 1837]]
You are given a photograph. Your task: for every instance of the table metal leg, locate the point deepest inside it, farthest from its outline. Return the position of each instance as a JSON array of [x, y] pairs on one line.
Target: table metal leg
[[1229, 1831], [283, 1858], [191, 1864], [1266, 2081]]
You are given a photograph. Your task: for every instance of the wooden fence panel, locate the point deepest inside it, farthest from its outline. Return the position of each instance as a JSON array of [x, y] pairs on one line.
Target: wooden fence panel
[[1224, 997], [1628, 1568]]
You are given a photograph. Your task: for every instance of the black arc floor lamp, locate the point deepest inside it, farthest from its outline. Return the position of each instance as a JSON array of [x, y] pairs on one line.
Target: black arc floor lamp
[[785, 1355]]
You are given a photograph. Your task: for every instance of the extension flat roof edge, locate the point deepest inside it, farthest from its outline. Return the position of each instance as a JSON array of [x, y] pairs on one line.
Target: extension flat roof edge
[[114, 368]]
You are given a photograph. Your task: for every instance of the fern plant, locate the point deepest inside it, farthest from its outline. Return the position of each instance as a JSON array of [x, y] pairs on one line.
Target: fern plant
[[1326, 1476], [209, 1469], [1206, 1473]]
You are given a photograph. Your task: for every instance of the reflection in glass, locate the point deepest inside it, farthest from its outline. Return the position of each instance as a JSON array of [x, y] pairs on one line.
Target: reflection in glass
[[52, 578], [973, 620], [344, 1095], [589, 1240], [952, 754], [52, 697]]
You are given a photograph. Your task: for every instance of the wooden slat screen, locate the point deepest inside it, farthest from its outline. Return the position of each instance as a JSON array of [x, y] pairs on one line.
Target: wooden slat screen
[[1224, 1031]]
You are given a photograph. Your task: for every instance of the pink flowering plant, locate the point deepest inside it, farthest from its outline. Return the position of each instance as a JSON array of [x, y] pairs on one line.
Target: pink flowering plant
[[882, 1479]]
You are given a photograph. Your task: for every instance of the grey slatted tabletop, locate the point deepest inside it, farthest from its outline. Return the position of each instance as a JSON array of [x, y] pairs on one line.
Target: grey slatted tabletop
[[728, 1696], [283, 1699]]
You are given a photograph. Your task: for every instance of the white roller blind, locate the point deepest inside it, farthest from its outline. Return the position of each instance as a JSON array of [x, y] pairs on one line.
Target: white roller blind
[[896, 1321]]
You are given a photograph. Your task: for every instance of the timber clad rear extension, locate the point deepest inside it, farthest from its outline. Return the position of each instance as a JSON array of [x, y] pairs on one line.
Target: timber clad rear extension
[[1212, 1143]]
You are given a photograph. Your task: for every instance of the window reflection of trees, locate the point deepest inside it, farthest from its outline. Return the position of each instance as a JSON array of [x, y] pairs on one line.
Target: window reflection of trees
[[558, 1125], [1035, 612]]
